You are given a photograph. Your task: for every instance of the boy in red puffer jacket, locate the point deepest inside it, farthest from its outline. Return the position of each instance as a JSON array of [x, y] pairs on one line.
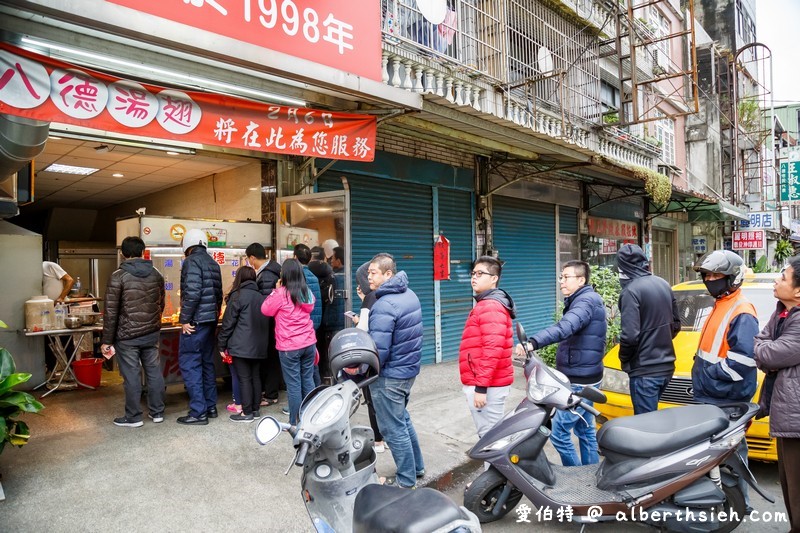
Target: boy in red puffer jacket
[[485, 353]]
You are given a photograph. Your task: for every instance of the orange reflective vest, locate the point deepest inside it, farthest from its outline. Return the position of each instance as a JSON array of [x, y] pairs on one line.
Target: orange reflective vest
[[714, 347]]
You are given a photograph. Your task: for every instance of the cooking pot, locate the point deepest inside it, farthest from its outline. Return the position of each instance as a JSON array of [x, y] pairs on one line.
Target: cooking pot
[[89, 319], [72, 322]]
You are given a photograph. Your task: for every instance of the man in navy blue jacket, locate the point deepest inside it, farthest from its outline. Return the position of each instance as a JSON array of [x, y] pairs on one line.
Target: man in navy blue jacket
[[581, 334], [395, 324]]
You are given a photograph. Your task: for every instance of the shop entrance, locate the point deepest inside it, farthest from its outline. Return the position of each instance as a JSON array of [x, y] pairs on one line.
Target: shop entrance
[[664, 254]]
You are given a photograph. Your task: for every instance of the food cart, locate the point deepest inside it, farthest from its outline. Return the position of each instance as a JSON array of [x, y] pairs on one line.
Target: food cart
[[227, 241]]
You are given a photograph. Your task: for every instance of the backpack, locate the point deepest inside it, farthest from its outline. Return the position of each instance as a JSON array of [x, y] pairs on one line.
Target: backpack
[[327, 286]]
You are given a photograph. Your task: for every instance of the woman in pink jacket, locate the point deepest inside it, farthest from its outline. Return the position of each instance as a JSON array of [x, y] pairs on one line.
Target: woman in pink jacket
[[291, 303]]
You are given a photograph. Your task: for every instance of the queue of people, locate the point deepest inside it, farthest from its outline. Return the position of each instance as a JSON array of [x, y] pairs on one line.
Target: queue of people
[[276, 314]]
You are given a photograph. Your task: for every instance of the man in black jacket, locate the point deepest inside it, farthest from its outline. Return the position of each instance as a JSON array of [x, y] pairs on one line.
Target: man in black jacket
[[134, 303], [201, 301], [649, 321]]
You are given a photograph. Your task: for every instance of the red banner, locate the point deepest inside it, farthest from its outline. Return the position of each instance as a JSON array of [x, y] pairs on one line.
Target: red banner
[[42, 88], [343, 34]]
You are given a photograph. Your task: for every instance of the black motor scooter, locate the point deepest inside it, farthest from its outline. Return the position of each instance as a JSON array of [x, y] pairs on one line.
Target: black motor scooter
[[676, 468]]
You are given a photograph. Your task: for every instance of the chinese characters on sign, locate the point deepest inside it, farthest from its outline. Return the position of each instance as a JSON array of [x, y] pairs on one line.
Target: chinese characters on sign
[[42, 88], [749, 240], [613, 229], [699, 245], [790, 181], [337, 33], [608, 247], [760, 220], [441, 258]]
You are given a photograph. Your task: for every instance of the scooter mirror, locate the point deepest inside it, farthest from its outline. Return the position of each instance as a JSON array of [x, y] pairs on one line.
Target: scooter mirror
[[267, 430], [521, 334]]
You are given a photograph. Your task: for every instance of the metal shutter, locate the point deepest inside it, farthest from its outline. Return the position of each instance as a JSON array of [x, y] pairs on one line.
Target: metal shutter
[[455, 294], [567, 220], [524, 236], [394, 217]]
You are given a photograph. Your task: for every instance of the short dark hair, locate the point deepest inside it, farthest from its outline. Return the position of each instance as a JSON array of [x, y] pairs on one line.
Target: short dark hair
[[794, 262], [256, 250], [302, 253], [318, 253], [493, 265], [132, 247], [338, 253], [581, 268], [385, 262]]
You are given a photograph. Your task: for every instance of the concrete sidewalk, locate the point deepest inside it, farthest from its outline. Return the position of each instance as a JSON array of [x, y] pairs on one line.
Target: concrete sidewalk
[[79, 472]]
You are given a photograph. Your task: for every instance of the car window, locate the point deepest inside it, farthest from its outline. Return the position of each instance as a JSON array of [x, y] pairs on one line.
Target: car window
[[695, 306]]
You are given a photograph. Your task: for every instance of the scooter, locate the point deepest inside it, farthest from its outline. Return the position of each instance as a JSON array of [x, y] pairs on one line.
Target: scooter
[[339, 485], [675, 469]]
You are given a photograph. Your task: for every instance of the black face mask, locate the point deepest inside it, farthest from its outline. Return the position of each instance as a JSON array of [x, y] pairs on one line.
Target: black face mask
[[718, 287]]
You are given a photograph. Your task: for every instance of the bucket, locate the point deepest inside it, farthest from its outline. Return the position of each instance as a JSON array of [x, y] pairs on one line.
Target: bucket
[[88, 371]]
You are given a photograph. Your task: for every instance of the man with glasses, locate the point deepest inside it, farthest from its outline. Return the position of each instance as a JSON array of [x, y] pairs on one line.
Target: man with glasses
[[649, 320], [581, 334], [484, 357]]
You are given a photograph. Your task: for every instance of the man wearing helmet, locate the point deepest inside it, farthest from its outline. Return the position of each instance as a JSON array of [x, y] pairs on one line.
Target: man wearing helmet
[[201, 301], [724, 369]]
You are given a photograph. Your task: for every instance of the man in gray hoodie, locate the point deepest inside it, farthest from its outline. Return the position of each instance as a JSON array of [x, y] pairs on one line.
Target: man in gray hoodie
[[134, 303]]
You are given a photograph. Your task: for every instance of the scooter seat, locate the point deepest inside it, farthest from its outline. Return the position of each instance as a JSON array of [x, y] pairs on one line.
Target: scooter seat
[[661, 432], [379, 508]]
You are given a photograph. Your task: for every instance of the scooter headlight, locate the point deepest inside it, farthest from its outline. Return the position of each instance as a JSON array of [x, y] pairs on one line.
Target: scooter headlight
[[615, 381], [328, 410], [506, 441], [538, 392]]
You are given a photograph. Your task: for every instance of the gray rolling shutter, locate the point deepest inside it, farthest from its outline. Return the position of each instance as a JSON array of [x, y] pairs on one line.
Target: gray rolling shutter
[[394, 217], [455, 294], [524, 236]]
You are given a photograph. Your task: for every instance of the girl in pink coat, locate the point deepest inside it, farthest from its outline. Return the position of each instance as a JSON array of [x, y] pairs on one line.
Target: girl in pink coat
[[291, 303]]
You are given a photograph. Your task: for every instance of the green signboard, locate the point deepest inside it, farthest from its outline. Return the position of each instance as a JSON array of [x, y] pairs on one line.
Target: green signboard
[[790, 181]]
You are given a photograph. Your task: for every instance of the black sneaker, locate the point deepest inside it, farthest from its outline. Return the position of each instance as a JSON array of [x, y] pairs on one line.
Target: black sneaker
[[212, 412], [158, 418], [256, 414], [285, 411], [241, 417], [125, 422]]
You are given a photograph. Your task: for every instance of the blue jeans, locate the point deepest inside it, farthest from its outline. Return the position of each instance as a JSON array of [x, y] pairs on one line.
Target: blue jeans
[[298, 373], [196, 361], [390, 398], [567, 422], [646, 391], [237, 393]]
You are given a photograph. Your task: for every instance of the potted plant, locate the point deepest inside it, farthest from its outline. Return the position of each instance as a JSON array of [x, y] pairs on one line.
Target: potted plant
[[13, 403]]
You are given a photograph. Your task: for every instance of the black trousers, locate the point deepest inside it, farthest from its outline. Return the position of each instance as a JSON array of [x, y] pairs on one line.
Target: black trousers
[[249, 372], [789, 474]]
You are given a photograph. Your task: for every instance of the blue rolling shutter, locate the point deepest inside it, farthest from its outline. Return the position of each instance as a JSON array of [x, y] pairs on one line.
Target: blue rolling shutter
[[567, 220], [524, 236], [455, 294], [394, 217]]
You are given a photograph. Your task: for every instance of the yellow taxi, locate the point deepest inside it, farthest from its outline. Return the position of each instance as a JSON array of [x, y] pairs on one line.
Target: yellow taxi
[[695, 304]]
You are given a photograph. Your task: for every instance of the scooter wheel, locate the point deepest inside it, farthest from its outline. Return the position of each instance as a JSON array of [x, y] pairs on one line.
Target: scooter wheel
[[734, 506], [482, 495]]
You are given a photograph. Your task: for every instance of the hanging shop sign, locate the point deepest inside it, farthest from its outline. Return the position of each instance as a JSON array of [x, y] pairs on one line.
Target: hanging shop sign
[[342, 34], [761, 220], [699, 245], [441, 259], [613, 229], [41, 88], [749, 240]]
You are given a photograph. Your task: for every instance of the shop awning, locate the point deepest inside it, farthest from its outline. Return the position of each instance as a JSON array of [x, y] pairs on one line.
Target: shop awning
[[701, 208]]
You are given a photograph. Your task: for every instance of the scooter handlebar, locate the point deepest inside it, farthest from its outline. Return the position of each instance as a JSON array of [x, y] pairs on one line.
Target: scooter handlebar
[[589, 408], [300, 458]]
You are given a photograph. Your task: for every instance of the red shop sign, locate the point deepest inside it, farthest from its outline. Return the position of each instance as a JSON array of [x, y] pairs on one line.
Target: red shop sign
[[441, 259], [342, 34], [614, 229], [748, 240], [41, 88]]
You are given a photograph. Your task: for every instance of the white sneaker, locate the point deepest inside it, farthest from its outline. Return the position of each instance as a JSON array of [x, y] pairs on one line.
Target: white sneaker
[[379, 447]]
